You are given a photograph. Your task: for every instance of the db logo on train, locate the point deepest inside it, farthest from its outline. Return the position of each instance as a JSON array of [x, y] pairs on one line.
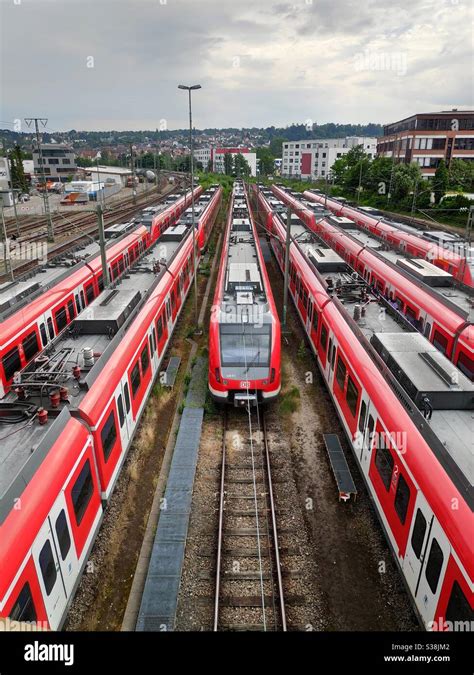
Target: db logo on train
[[245, 384]]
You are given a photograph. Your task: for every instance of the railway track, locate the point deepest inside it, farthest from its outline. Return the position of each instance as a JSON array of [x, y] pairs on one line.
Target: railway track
[[249, 592], [86, 227]]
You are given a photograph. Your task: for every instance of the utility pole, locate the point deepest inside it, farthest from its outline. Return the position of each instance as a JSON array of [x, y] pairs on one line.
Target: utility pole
[[102, 192], [189, 90], [132, 167], [6, 260], [47, 212], [287, 265], [103, 254]]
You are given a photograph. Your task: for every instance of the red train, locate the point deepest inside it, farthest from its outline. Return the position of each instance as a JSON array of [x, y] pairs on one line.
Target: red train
[[35, 315], [416, 246], [67, 430], [415, 461], [244, 333], [441, 322]]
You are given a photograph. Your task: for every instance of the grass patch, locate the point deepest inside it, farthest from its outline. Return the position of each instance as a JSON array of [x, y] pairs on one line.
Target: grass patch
[[290, 401]]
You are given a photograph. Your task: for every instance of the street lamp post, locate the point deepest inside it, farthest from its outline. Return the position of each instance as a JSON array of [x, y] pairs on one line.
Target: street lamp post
[[191, 149]]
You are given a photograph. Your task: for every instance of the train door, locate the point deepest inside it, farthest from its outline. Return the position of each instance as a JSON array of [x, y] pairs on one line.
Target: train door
[[365, 432], [426, 558], [125, 413], [65, 549], [50, 579]]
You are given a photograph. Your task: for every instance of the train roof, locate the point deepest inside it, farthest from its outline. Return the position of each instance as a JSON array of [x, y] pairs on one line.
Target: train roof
[[88, 342], [243, 281], [438, 280], [14, 294], [417, 366]]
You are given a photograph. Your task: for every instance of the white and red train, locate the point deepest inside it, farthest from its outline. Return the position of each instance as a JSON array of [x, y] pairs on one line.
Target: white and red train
[[66, 431], [410, 243], [37, 309], [409, 428], [244, 333], [444, 324]]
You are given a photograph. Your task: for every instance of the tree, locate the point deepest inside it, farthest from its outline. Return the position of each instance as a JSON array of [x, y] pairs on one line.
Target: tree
[[228, 164], [267, 161], [441, 180], [241, 166], [18, 178], [461, 175], [210, 166], [276, 146]]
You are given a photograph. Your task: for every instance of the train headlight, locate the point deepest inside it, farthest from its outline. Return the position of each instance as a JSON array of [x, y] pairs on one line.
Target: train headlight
[[272, 378], [217, 374], [224, 381]]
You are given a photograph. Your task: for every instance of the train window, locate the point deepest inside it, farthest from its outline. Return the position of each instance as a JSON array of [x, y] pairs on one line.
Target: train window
[[100, 282], [352, 396], [120, 410], [384, 464], [340, 373], [11, 362], [333, 356], [83, 302], [50, 328], [466, 365], [363, 413], [135, 379], [440, 342], [245, 345], [89, 293], [81, 492], [78, 305], [155, 343], [458, 608], [402, 499], [159, 327], [62, 533], [127, 397], [48, 567], [370, 430], [44, 337], [61, 318], [24, 608], [145, 359], [330, 351], [418, 535], [120, 264], [30, 346], [173, 299], [434, 565], [150, 340], [70, 307], [108, 435], [168, 310], [324, 337], [315, 320]]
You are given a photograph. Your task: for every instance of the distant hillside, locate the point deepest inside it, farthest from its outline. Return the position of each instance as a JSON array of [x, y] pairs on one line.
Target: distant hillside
[[253, 135]]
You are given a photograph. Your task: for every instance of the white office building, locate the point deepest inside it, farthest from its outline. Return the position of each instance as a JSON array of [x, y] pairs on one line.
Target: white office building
[[311, 159]]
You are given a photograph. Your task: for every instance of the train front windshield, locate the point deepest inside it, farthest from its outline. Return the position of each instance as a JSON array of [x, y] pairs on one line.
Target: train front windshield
[[245, 346]]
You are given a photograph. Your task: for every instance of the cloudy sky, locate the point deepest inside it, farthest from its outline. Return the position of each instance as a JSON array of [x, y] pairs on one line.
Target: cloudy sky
[[115, 64]]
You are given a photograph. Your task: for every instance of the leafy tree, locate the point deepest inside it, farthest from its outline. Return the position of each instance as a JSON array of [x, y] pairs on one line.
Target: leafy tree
[[461, 175], [18, 178], [228, 164], [241, 166], [441, 180], [267, 161], [276, 146]]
